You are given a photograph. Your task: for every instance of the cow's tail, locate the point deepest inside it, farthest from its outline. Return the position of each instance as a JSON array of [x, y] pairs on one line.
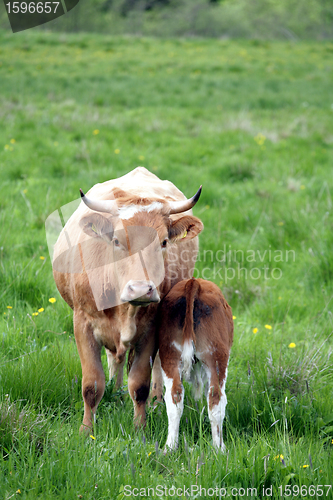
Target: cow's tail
[[192, 288]]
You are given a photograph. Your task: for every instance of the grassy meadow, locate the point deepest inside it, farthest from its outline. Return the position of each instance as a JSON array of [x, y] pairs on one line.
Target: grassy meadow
[[253, 123]]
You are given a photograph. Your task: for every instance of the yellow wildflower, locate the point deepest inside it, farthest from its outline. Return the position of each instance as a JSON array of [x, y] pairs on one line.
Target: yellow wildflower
[[255, 330], [92, 437], [18, 492], [280, 457], [41, 310], [96, 131], [268, 327], [305, 466], [292, 345], [12, 141], [234, 317], [35, 314], [52, 300], [42, 258], [117, 151], [9, 307], [260, 139]]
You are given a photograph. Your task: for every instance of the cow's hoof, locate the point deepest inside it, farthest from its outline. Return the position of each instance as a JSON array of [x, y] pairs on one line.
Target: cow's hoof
[[85, 430]]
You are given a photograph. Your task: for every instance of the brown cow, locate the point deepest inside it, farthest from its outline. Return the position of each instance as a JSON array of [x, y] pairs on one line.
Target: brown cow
[[121, 251], [195, 332]]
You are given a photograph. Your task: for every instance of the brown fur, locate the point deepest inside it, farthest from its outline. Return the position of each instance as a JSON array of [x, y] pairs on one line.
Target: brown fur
[[82, 253]]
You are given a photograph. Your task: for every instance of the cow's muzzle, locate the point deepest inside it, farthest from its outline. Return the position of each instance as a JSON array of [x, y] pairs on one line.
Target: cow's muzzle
[[140, 293]]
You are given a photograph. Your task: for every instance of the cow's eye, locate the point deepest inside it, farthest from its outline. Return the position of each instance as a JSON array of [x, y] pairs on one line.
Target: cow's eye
[[116, 242], [164, 243]]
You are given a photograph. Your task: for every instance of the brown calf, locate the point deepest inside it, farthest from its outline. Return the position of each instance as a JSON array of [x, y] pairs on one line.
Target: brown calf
[[195, 325]]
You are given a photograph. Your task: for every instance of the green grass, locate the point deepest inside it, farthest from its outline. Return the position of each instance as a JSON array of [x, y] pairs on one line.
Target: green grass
[[250, 121]]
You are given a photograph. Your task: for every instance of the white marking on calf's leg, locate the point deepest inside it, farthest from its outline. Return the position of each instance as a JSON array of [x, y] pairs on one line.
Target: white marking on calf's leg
[[217, 414], [174, 411], [176, 345]]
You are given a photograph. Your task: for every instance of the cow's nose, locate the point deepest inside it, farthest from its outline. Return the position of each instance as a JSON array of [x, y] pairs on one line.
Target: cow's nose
[[140, 293]]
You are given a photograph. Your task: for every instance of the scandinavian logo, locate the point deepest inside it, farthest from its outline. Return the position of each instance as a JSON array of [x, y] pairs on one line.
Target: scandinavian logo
[[24, 15], [114, 255]]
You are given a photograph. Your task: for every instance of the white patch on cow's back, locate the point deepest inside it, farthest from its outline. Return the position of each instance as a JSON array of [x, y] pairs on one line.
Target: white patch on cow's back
[[129, 211], [187, 358]]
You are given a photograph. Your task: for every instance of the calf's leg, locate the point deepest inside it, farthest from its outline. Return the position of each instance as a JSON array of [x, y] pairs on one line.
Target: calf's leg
[[116, 367], [216, 398], [174, 393], [156, 395]]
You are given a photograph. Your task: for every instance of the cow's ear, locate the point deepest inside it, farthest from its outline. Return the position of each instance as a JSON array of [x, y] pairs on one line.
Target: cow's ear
[[185, 228], [97, 226]]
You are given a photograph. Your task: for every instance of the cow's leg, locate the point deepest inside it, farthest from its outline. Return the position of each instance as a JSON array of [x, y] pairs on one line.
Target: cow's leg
[[156, 395], [116, 367], [93, 377], [216, 370], [174, 393], [139, 378]]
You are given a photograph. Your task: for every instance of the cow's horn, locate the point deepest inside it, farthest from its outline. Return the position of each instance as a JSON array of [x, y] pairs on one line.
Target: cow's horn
[[176, 207], [109, 206]]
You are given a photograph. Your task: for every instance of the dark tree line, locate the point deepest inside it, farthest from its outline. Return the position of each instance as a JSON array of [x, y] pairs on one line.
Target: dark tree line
[[127, 5]]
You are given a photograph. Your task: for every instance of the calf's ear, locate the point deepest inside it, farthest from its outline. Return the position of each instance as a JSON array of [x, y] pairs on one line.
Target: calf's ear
[[97, 226], [185, 228]]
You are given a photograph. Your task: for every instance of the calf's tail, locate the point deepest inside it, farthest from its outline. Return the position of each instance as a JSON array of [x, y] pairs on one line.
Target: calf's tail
[[192, 288]]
